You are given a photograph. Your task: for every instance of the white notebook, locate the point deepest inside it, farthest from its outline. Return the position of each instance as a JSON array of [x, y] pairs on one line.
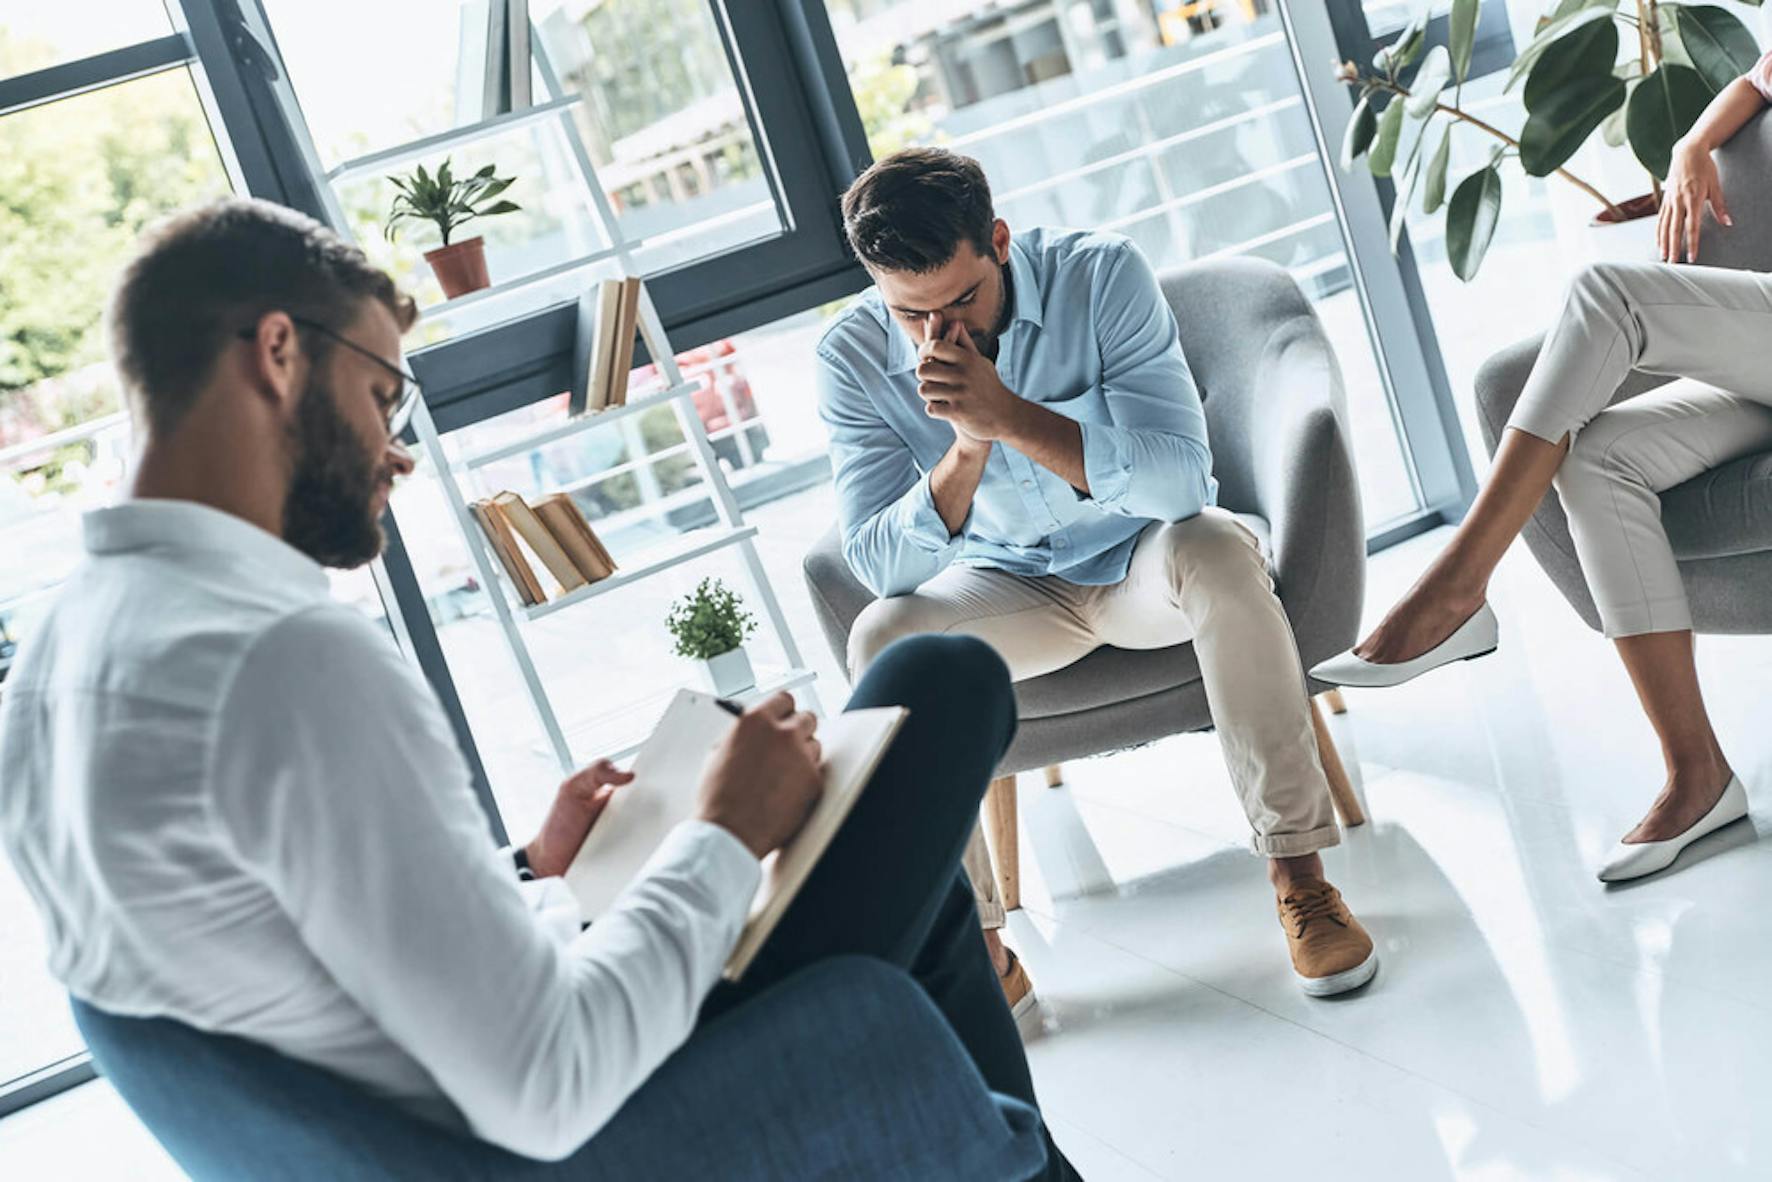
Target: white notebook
[[667, 787]]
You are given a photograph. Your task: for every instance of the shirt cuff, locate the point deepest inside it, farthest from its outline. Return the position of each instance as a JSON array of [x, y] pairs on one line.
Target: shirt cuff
[[710, 856], [1107, 464], [920, 523]]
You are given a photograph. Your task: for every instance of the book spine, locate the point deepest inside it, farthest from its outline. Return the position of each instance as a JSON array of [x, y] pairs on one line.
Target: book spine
[[627, 329], [510, 560], [530, 528]]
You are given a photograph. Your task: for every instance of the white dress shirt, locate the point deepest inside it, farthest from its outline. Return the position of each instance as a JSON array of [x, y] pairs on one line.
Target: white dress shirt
[[236, 805]]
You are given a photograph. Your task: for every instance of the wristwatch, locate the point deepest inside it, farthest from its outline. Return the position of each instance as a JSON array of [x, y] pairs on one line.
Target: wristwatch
[[520, 858]]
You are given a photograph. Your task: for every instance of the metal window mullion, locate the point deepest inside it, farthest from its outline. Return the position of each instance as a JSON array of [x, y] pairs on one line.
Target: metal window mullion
[[54, 83], [1398, 321]]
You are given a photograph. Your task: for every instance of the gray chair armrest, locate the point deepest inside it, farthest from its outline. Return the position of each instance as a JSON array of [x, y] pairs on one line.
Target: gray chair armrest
[[1302, 476], [1277, 413], [838, 597]]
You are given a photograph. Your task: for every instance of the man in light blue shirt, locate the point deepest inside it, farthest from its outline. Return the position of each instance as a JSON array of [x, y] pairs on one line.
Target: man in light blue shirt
[[1021, 455]]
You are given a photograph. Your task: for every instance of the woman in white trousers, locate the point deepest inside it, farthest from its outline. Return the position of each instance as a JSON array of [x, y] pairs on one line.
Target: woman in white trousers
[[1712, 330]]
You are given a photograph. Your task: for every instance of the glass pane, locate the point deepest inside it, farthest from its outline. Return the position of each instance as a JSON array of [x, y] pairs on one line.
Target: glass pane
[[649, 103], [37, 36], [1384, 17], [1183, 130], [79, 178], [1541, 238]]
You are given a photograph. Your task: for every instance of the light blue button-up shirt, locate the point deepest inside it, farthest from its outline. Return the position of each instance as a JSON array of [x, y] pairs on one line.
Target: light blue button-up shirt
[[1091, 338]]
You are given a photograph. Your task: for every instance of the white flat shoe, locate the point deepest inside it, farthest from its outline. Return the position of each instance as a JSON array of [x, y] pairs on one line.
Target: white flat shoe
[[1646, 857], [1476, 637]]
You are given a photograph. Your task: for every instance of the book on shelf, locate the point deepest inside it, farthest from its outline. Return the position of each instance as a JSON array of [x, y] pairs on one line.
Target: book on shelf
[[603, 345], [518, 70], [575, 535], [504, 546], [666, 789], [627, 325], [530, 530]]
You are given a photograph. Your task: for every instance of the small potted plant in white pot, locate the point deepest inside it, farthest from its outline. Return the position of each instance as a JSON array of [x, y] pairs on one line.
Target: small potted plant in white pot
[[711, 625], [449, 203]]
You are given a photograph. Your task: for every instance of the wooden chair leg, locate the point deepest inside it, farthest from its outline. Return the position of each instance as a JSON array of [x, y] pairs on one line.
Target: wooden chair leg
[[1055, 775], [1004, 840], [1341, 792], [1336, 703]]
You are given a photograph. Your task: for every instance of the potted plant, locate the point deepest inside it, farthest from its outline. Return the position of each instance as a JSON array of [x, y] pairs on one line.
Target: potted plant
[[710, 625], [1681, 55], [448, 203]]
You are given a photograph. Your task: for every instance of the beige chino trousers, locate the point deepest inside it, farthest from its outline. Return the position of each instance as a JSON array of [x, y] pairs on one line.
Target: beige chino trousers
[[1204, 580], [1709, 327]]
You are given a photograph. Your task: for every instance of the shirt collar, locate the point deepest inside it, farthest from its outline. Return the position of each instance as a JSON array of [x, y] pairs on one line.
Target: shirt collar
[[902, 354], [190, 528]]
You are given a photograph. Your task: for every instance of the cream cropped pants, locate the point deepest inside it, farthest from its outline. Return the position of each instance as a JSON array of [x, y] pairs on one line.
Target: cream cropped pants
[[1707, 327], [1204, 580]]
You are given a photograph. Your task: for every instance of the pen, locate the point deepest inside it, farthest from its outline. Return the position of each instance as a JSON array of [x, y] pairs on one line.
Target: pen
[[728, 705]]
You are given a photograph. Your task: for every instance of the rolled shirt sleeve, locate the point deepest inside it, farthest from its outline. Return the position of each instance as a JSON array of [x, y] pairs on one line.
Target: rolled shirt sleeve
[[894, 538], [1760, 77], [1152, 459], [337, 781]]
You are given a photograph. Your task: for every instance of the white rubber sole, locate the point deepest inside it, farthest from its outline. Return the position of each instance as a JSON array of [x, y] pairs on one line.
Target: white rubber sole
[[1025, 1006], [1343, 982]]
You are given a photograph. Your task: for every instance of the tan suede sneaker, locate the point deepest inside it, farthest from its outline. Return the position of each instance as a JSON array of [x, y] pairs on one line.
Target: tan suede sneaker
[[1018, 988], [1331, 952]]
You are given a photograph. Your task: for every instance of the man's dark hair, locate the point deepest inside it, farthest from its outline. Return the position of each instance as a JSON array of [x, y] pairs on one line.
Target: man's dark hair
[[910, 211], [203, 275]]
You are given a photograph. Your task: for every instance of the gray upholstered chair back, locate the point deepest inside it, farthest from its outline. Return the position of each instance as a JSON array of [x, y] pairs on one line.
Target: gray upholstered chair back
[[1720, 523], [1277, 416]]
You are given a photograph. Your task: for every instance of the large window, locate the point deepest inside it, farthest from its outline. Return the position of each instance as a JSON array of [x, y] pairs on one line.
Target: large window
[[79, 177], [701, 143]]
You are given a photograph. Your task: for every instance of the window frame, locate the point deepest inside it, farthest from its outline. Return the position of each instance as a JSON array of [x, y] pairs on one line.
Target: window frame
[[806, 122]]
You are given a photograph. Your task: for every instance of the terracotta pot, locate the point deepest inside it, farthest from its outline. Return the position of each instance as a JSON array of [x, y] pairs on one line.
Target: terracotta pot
[[460, 267]]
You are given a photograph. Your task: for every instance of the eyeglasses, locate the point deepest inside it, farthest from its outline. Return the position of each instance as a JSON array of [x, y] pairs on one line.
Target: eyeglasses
[[401, 413]]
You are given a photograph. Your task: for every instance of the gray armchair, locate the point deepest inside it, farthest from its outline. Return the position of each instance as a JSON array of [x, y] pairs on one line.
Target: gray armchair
[[1720, 523], [1277, 416]]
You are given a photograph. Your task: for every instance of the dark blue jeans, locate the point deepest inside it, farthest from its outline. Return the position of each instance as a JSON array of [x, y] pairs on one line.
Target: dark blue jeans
[[890, 886]]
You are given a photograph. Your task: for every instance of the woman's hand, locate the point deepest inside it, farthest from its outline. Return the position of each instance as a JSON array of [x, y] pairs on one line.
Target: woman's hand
[[1692, 183], [576, 808]]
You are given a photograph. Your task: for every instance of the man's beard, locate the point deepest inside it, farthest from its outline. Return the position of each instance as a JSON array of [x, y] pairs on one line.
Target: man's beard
[[986, 342], [330, 514]]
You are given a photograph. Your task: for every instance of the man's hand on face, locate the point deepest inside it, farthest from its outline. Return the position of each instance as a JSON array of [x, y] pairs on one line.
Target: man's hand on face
[[763, 780], [576, 807], [959, 385]]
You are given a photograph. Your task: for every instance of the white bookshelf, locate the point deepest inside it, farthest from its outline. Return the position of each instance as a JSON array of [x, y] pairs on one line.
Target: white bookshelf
[[616, 733]]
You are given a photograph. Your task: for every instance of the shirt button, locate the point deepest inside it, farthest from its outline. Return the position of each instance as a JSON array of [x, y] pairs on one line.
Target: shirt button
[[1060, 543], [1027, 484]]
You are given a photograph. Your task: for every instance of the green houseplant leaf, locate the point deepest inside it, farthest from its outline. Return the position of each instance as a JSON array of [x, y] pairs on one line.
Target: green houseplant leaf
[[1361, 127], [1430, 80], [1407, 46], [1715, 42], [1565, 118], [1384, 145], [1586, 53], [1470, 221], [709, 621], [1406, 190], [1663, 109], [1461, 36], [1553, 32], [445, 201], [1434, 194]]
